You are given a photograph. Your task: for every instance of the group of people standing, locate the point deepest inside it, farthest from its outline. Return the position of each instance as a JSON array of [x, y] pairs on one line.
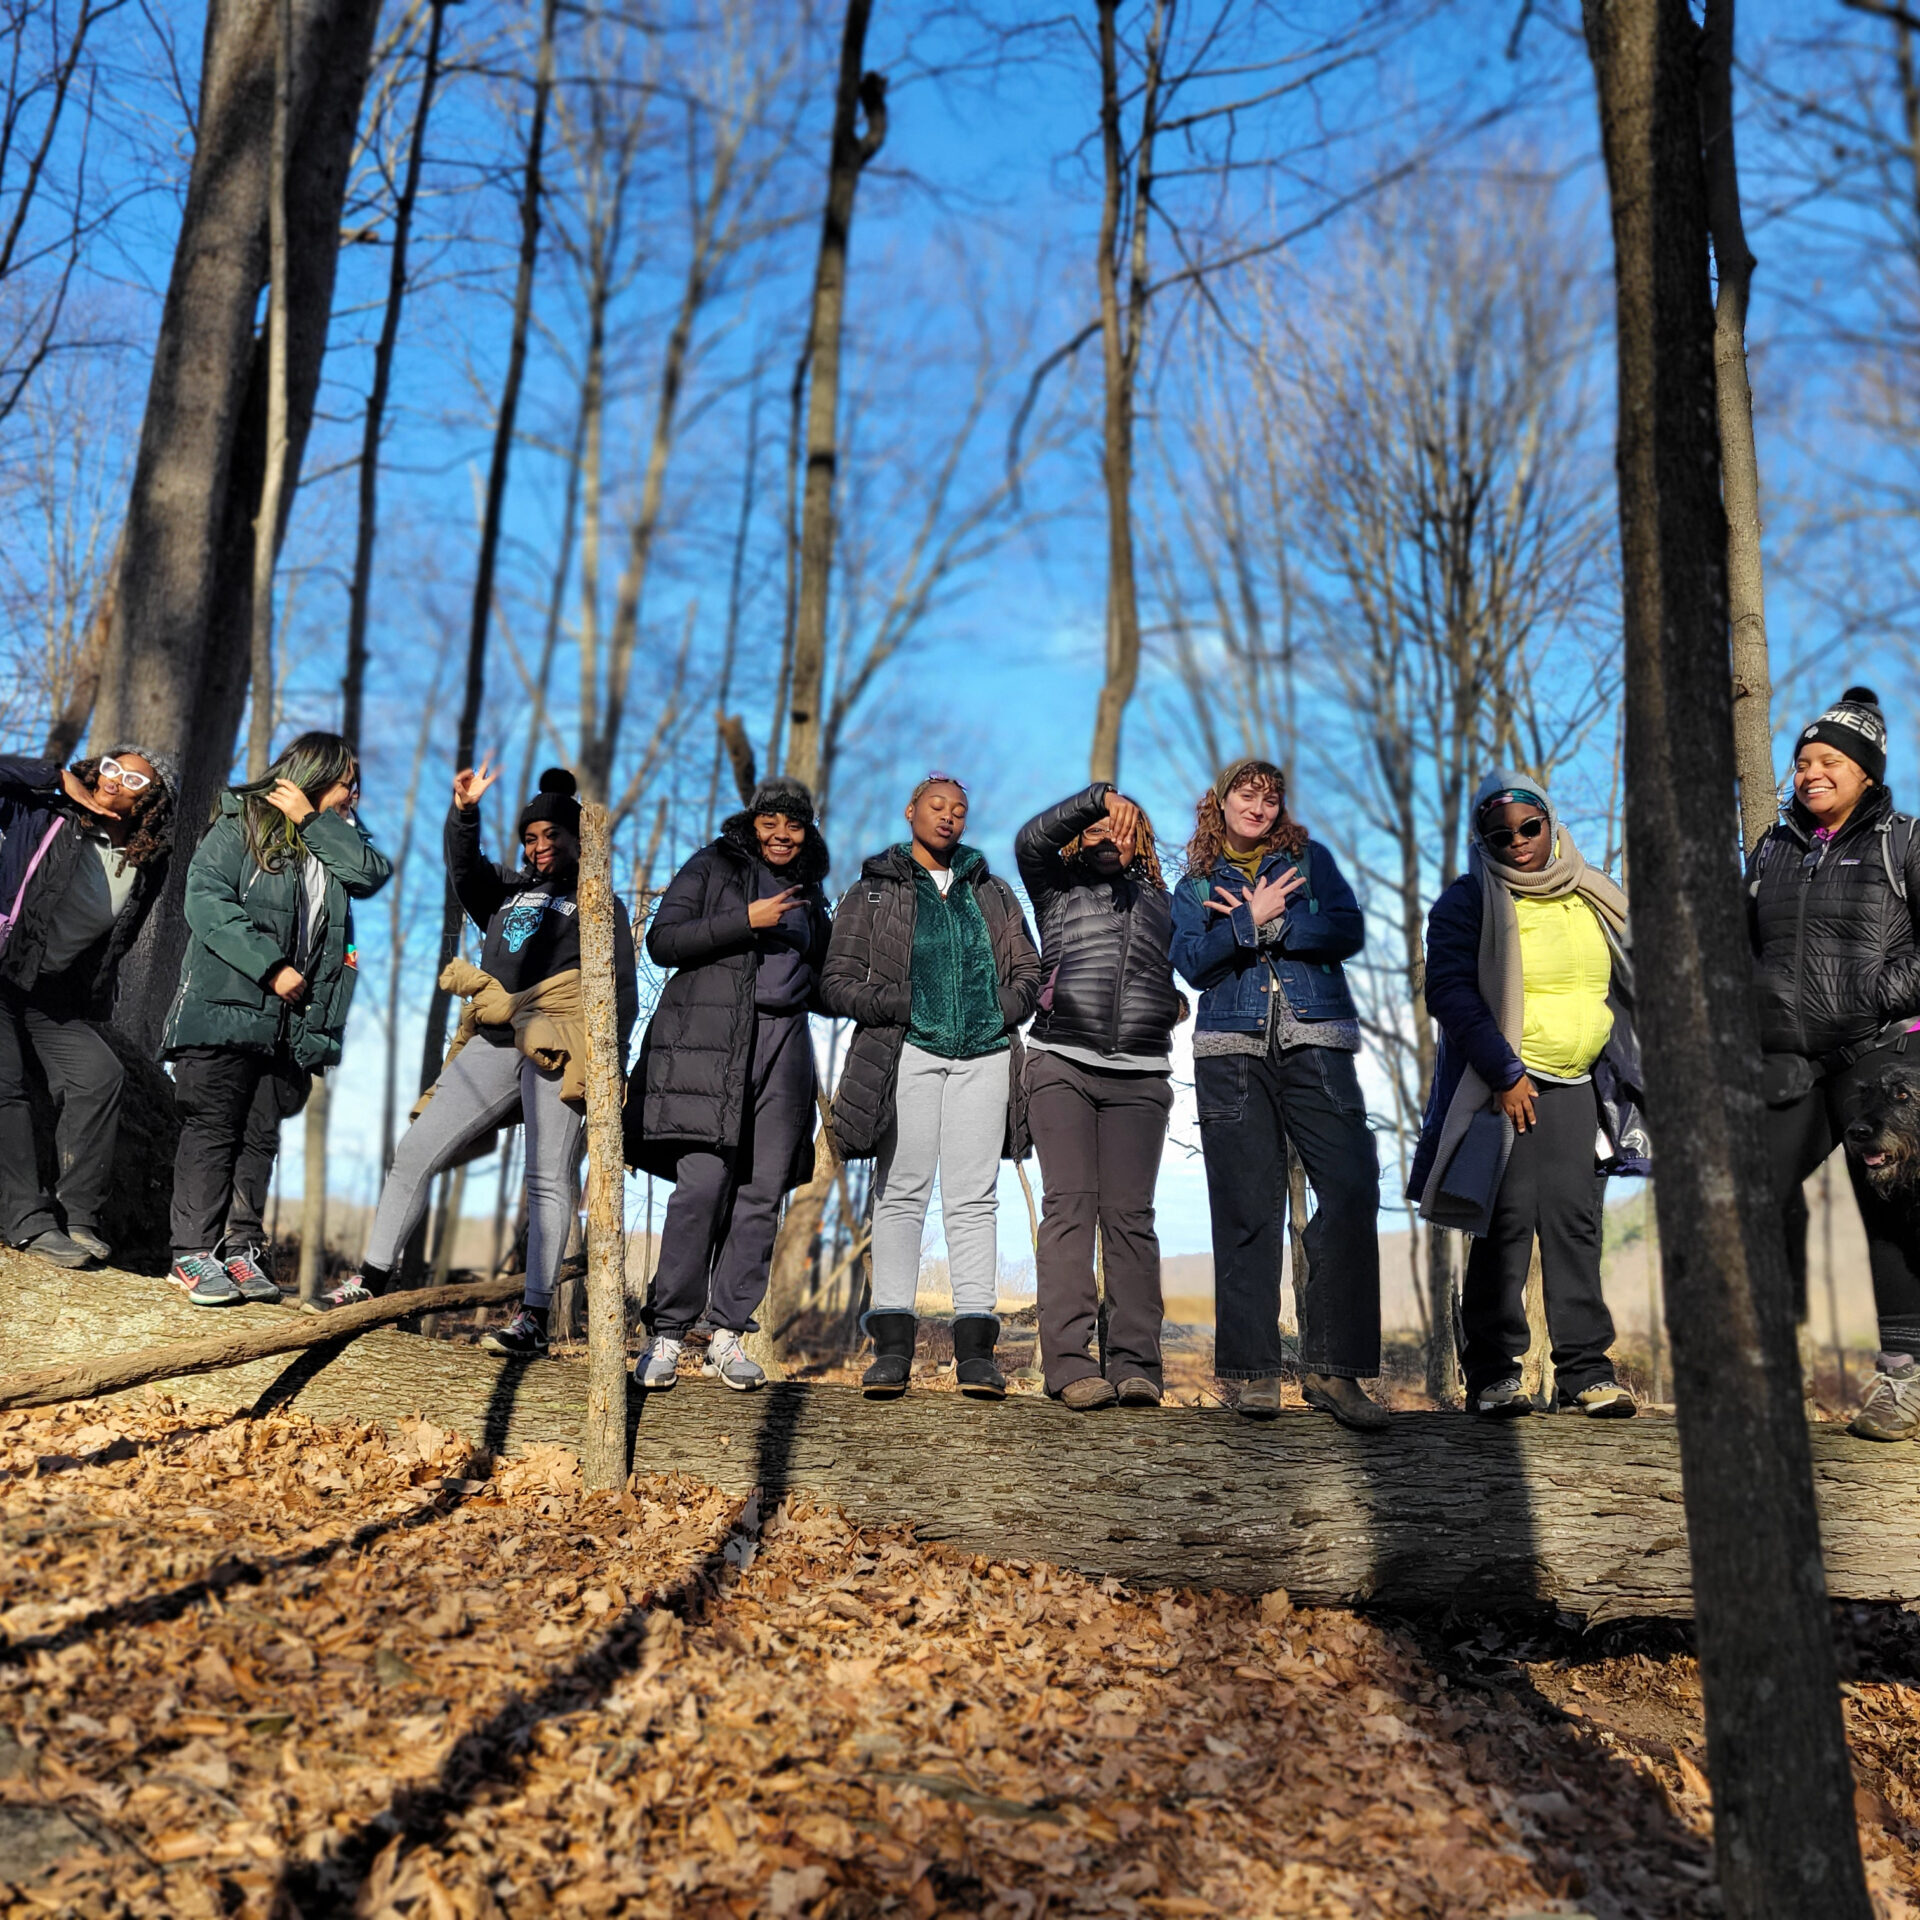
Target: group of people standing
[[971, 1043]]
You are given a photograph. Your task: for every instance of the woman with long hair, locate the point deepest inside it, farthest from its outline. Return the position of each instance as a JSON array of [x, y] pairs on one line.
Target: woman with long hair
[[1263, 920], [84, 858], [511, 1059], [1099, 1089], [262, 1006], [932, 960]]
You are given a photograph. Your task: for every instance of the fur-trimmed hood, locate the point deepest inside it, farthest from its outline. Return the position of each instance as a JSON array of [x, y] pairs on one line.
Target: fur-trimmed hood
[[810, 866]]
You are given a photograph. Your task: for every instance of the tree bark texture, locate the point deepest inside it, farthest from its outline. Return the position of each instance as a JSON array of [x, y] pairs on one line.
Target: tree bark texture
[[176, 667], [1442, 1510], [1783, 1792], [857, 92], [604, 1455], [1739, 462], [313, 1194]]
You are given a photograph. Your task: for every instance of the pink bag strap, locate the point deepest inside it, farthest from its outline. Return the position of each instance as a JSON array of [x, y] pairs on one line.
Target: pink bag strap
[[26, 879]]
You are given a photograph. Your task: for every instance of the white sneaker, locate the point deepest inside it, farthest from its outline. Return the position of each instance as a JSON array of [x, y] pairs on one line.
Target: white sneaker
[[659, 1367], [728, 1358]]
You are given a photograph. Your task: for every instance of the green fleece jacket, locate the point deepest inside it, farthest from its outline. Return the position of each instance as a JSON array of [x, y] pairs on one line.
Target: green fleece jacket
[[956, 986]]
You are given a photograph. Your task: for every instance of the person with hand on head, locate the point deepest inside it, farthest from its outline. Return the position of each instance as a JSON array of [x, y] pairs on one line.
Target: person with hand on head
[[496, 1071], [721, 1101], [1262, 921], [262, 1005], [85, 854], [932, 961], [1099, 1089], [1529, 981], [1833, 890]]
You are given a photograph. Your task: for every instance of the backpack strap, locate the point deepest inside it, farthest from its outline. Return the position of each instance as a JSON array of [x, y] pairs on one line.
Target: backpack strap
[[1896, 868]]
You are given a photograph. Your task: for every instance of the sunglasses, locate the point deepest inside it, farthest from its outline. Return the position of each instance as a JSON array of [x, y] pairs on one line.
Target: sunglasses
[[942, 780], [1501, 838], [111, 769]]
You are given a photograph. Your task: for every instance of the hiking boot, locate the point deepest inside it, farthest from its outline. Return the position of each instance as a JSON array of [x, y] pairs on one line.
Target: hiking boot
[[204, 1281], [892, 1367], [1891, 1409], [1084, 1395], [524, 1337], [658, 1367], [58, 1249], [974, 1337], [728, 1358], [1503, 1400], [352, 1291], [1346, 1400], [1136, 1390], [1259, 1399], [96, 1248], [1604, 1400], [253, 1280]]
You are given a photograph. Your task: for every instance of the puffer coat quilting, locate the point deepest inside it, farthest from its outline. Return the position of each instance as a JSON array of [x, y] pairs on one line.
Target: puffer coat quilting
[[689, 1086], [1835, 957], [1105, 944], [869, 979]]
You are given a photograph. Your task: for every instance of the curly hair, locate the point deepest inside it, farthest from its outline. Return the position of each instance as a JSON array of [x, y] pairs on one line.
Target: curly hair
[[1145, 864], [1210, 822], [149, 825]]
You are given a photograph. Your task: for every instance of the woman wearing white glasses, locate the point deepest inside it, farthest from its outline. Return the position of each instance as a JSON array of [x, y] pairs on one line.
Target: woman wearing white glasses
[[83, 860]]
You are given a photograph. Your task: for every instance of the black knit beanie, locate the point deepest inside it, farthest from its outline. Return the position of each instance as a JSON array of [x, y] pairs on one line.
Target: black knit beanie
[[1855, 726], [554, 802], [778, 794]]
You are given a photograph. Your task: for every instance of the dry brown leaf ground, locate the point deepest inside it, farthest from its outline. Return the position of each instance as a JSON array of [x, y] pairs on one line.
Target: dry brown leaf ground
[[256, 1666]]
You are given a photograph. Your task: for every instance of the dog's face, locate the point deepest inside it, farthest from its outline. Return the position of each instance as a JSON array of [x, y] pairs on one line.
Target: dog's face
[[1884, 1135]]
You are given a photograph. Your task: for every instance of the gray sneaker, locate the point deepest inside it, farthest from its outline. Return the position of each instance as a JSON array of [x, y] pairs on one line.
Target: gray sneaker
[[1504, 1400], [1891, 1409], [659, 1367], [91, 1241], [58, 1249], [253, 1280], [204, 1281], [728, 1358]]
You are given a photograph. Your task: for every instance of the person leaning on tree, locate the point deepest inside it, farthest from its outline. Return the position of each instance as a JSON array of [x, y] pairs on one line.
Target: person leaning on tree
[[932, 961], [497, 1072], [1099, 1089], [262, 1005], [85, 855], [721, 1101], [1535, 1094], [1263, 920], [1832, 893]]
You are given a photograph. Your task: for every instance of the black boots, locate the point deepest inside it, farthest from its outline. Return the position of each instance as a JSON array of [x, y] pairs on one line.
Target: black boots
[[973, 1368], [892, 1365]]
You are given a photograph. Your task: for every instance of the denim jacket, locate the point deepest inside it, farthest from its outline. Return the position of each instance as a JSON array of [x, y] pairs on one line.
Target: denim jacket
[[1224, 956]]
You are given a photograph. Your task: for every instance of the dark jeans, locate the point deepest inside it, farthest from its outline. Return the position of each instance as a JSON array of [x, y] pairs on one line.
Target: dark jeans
[[716, 1242], [1250, 1106], [230, 1104], [1099, 1136], [1553, 1188], [84, 1076], [1799, 1138]]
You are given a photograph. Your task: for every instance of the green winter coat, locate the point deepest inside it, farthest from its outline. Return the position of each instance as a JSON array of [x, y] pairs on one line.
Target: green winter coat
[[244, 924]]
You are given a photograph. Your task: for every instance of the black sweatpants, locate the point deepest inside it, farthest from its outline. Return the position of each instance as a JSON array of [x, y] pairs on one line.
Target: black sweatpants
[[1553, 1187], [1099, 1135], [84, 1076], [716, 1242], [1799, 1138], [231, 1104], [1250, 1105]]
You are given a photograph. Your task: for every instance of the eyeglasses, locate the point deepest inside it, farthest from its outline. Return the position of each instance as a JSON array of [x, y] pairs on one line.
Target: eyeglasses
[[1501, 838], [111, 769]]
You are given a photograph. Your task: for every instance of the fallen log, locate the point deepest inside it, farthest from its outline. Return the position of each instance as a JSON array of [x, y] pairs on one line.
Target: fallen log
[[1441, 1510]]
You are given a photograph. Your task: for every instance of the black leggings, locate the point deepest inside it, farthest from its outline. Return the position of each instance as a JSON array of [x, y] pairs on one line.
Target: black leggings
[[1799, 1139]]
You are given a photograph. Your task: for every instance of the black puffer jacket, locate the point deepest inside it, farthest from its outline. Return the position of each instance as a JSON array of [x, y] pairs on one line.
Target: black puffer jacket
[[869, 979], [689, 1086], [1835, 956], [1104, 944]]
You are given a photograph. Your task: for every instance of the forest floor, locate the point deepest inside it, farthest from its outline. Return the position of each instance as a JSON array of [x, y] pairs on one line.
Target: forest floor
[[258, 1666]]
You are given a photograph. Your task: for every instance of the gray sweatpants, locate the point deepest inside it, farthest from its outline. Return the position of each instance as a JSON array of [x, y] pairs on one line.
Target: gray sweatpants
[[486, 1087], [950, 1119]]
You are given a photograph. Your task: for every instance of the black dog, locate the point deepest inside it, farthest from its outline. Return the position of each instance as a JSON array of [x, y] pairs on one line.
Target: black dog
[[1884, 1135]]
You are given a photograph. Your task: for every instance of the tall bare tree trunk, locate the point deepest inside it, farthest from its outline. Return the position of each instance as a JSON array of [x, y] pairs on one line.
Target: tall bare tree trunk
[[1739, 463], [434, 1045], [858, 93], [313, 1197], [603, 1458], [1784, 1829]]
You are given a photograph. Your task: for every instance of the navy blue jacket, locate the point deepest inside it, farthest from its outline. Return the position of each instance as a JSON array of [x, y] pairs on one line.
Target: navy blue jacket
[[1221, 955]]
